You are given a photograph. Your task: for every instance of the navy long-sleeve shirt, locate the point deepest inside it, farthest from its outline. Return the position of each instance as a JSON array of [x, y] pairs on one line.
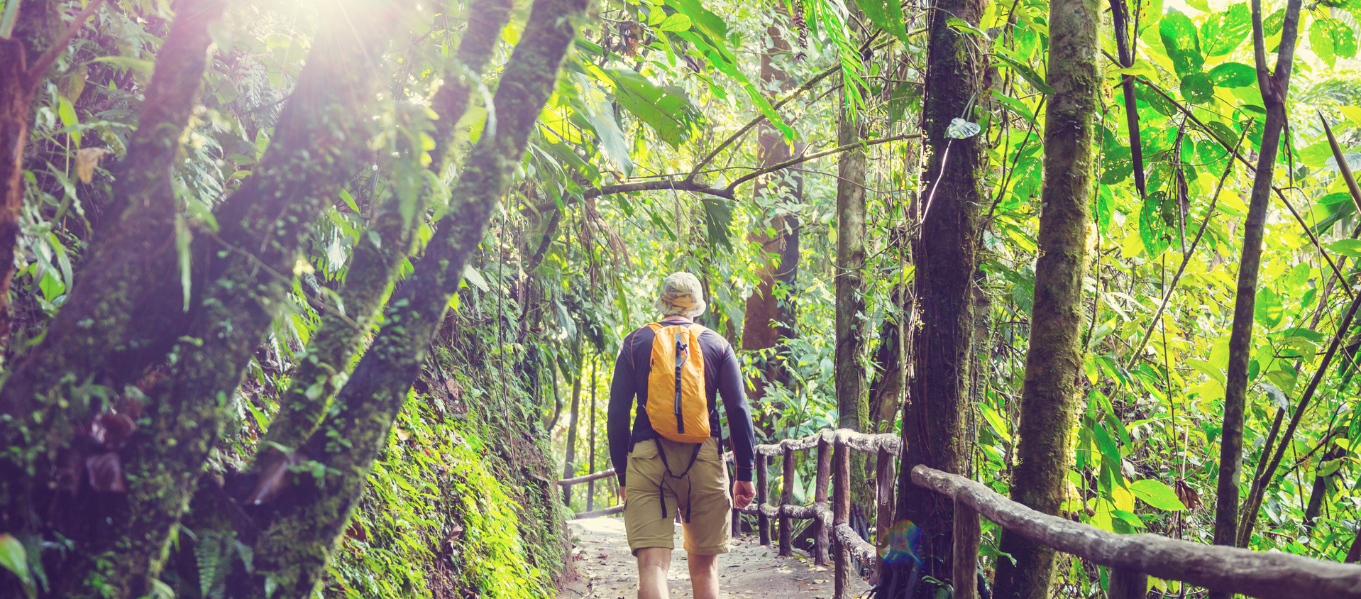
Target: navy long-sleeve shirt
[[722, 378]]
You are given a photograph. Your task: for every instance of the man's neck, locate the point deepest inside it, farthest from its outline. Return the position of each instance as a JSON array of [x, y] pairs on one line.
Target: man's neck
[[678, 318]]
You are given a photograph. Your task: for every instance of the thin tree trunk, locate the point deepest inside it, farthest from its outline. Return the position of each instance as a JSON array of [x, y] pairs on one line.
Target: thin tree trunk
[[18, 82], [852, 401], [590, 485], [945, 253], [569, 462], [1051, 391], [1274, 88], [763, 310], [298, 539]]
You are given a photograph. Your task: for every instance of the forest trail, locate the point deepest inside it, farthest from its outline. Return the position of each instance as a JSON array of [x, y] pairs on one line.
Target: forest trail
[[749, 571]]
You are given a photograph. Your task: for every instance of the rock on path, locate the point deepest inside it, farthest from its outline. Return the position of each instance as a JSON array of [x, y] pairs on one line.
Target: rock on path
[[749, 571]]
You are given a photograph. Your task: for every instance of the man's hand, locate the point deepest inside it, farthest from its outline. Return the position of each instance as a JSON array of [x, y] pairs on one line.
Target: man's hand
[[742, 494], [621, 494]]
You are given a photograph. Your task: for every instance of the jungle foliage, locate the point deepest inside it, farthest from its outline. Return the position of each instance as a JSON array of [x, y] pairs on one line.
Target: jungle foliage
[[319, 298]]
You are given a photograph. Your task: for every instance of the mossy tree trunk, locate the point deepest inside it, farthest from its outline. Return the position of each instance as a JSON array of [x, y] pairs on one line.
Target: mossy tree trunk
[[1051, 391], [852, 401], [945, 256], [374, 263], [1274, 87], [44, 489], [303, 527]]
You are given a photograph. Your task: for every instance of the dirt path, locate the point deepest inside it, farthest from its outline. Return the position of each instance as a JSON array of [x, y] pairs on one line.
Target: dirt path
[[750, 570]]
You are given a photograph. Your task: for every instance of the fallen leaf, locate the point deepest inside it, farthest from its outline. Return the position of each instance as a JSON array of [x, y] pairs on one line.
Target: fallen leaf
[[86, 161]]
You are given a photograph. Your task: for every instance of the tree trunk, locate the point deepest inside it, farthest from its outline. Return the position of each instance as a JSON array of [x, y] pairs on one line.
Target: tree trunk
[[1274, 88], [852, 402], [569, 466], [1051, 392], [767, 319], [40, 482], [373, 265], [945, 253], [301, 533], [190, 404]]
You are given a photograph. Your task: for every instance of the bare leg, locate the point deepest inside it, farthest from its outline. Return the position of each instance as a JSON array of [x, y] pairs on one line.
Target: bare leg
[[653, 564], [704, 575]]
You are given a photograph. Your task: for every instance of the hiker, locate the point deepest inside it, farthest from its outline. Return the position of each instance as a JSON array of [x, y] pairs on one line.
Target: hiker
[[675, 465]]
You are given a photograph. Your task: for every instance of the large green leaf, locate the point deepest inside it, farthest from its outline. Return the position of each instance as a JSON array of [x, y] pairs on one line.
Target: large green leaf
[[1157, 494], [1233, 74], [1332, 39], [1016, 62], [706, 20], [1197, 88], [1225, 30], [1181, 43], [666, 109], [886, 15], [14, 558], [1152, 229]]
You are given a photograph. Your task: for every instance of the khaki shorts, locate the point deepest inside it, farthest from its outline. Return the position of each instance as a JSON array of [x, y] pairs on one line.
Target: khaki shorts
[[701, 495]]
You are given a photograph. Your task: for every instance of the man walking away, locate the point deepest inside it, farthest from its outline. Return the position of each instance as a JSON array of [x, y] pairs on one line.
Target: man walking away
[[676, 369]]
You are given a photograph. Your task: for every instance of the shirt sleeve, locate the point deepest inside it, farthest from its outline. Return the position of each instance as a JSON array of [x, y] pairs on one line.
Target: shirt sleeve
[[732, 390], [617, 425]]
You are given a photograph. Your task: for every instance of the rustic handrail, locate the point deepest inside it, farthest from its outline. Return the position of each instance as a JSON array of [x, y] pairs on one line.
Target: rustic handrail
[[1132, 558], [832, 522]]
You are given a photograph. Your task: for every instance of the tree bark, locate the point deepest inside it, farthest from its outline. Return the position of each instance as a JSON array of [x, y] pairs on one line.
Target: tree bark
[[768, 319], [945, 253], [1051, 392], [302, 531], [852, 401], [39, 482], [373, 266], [569, 467], [1274, 88], [261, 230]]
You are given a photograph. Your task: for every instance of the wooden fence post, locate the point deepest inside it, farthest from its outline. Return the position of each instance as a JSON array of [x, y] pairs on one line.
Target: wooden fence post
[[824, 473], [786, 498], [1128, 584], [841, 514], [967, 531], [883, 514], [762, 488]]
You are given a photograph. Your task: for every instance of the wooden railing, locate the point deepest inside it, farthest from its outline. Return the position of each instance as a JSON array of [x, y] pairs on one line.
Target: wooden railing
[[590, 479], [1131, 558], [833, 464]]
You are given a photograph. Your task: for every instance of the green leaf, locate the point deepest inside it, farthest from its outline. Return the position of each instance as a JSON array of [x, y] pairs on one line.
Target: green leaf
[[666, 110], [1346, 247], [1332, 39], [1033, 78], [1233, 74], [67, 112], [1273, 23], [886, 15], [676, 22], [724, 62], [14, 558], [1182, 43], [123, 62], [706, 20], [1157, 494], [1197, 88], [1015, 106], [1225, 30], [1268, 310], [471, 275], [1152, 229]]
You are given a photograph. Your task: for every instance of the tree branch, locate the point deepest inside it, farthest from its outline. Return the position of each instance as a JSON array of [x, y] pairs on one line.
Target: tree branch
[[49, 56]]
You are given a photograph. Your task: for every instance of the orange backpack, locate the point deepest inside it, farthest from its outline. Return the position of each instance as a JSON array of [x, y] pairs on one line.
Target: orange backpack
[[677, 404]]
